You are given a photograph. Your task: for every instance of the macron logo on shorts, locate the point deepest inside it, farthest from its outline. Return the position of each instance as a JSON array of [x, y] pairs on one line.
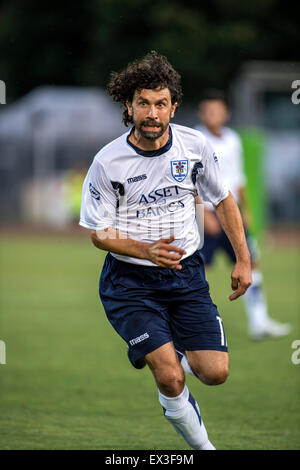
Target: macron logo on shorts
[[139, 339]]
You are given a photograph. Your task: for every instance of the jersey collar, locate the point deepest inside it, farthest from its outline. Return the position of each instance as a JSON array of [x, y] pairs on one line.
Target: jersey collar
[[152, 153]]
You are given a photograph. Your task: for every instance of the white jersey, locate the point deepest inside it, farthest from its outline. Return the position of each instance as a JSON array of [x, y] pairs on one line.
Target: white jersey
[[148, 195], [228, 148]]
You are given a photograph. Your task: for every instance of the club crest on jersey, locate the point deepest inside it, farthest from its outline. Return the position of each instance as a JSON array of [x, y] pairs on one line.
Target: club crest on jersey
[[179, 169]]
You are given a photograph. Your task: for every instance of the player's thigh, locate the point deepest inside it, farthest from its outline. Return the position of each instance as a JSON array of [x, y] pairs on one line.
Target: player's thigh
[[166, 369], [210, 366]]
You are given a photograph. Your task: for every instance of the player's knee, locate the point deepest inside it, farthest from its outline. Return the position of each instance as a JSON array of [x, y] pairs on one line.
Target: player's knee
[[170, 380], [216, 376]]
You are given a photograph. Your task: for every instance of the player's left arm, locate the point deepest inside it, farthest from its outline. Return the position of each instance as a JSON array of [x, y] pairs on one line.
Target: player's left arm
[[230, 218], [210, 187]]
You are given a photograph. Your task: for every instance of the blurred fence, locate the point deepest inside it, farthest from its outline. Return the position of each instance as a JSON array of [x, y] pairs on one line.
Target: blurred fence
[[49, 138], [43, 137], [268, 115]]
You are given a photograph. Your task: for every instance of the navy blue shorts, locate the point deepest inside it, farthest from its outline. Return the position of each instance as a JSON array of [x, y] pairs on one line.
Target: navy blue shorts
[[212, 244], [150, 306]]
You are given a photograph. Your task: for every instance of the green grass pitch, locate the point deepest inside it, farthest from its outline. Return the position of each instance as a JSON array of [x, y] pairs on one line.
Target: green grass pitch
[[67, 383]]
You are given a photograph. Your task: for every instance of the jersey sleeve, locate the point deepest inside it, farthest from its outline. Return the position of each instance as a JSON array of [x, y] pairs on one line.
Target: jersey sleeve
[[207, 177], [98, 202]]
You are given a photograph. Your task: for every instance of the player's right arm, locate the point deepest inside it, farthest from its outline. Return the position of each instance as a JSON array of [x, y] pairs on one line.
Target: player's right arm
[[160, 252], [98, 213]]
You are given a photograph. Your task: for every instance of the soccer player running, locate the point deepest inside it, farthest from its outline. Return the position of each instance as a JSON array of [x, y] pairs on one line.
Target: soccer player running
[[213, 112], [138, 200]]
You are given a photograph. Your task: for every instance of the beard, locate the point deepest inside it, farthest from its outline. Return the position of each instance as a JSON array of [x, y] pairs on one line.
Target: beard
[[151, 135]]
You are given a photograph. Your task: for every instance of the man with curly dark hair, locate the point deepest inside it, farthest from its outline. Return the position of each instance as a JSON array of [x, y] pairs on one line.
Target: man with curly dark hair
[[153, 72], [138, 200]]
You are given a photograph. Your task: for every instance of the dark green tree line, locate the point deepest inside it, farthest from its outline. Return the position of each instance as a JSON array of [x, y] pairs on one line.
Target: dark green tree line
[[79, 42]]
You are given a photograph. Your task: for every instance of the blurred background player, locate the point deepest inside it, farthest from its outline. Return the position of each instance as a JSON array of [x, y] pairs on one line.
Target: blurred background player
[[213, 113]]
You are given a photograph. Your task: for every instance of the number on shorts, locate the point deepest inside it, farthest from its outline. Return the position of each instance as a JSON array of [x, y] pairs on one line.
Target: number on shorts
[[223, 340]]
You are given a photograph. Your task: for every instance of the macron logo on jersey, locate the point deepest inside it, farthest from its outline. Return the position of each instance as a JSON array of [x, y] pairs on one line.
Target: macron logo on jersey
[[134, 179]]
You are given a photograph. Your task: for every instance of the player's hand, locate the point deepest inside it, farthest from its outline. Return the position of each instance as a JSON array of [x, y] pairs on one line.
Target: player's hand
[[164, 254], [240, 279]]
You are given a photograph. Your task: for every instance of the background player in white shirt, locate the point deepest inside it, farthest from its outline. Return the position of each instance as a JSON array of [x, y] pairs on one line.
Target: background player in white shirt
[[213, 112], [138, 200]]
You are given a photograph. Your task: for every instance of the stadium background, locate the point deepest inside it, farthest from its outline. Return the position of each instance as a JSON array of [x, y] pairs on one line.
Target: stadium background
[[66, 382]]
